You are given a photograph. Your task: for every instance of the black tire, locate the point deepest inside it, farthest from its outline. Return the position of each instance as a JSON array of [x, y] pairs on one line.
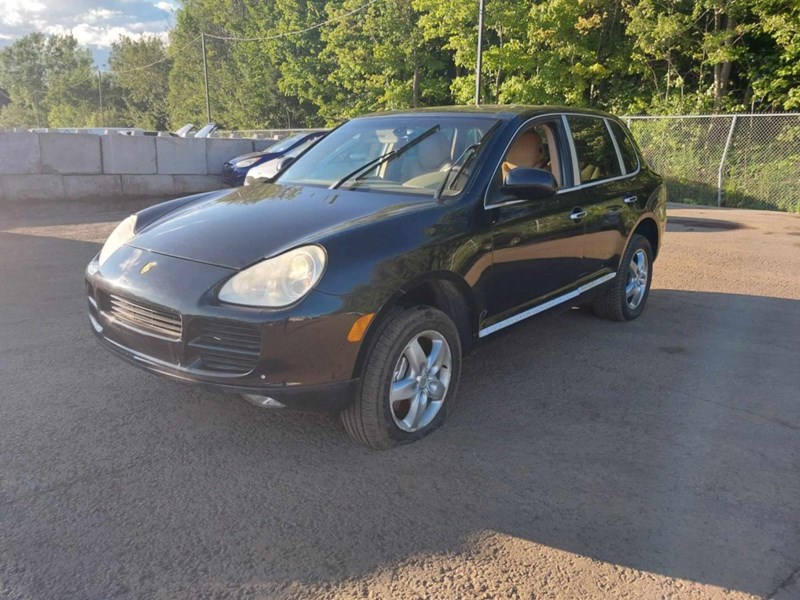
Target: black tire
[[369, 419], [612, 302]]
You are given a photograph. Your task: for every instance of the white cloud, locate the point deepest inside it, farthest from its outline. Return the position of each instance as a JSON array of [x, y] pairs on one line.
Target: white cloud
[[102, 36], [167, 7], [98, 14], [17, 12], [96, 24]]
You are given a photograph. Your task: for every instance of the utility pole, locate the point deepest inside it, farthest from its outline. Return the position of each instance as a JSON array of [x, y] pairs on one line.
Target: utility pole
[[479, 62], [100, 92], [205, 77], [36, 108]]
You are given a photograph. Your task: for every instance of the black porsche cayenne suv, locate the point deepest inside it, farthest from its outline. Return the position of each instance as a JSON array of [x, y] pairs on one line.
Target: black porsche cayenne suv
[[358, 277]]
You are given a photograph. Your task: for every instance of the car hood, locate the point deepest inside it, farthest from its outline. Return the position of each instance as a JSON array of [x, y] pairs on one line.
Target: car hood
[[258, 154], [239, 227]]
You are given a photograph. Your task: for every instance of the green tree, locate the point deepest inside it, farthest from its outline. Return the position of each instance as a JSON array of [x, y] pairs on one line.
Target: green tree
[[553, 51], [140, 71], [50, 78], [776, 74], [379, 60], [287, 72], [186, 98], [271, 64], [661, 33]]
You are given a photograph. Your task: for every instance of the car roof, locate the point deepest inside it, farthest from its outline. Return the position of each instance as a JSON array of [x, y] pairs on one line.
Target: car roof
[[501, 111]]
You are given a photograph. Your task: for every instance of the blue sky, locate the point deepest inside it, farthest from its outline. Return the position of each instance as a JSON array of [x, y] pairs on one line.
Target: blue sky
[[96, 24]]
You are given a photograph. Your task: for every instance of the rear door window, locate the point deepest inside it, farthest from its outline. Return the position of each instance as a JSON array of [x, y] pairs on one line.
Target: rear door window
[[597, 157], [630, 157]]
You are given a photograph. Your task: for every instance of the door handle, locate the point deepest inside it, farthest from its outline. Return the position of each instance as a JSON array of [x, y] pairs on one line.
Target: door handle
[[577, 214], [630, 199]]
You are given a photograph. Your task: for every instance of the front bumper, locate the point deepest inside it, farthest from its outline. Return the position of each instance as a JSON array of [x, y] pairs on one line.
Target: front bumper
[[166, 320]]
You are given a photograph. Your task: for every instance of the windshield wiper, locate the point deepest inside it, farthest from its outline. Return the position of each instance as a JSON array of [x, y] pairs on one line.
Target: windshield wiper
[[364, 169], [467, 155]]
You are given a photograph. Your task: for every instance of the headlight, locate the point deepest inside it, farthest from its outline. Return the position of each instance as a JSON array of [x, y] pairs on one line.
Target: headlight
[[122, 234], [278, 281], [246, 162], [258, 174]]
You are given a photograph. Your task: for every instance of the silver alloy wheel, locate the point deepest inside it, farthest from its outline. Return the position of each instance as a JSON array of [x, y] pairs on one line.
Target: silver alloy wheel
[[638, 272], [420, 381]]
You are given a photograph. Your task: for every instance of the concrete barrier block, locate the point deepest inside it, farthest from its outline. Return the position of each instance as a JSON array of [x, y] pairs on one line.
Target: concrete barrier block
[[19, 153], [218, 151], [92, 187], [70, 153], [148, 185], [16, 188], [131, 154], [194, 184], [181, 156], [259, 145]]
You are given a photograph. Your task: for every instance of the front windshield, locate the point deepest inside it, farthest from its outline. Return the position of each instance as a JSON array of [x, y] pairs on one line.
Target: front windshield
[[420, 170], [286, 143]]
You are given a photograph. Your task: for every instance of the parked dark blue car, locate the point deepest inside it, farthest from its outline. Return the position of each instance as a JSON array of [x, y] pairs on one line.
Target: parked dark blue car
[[235, 170]]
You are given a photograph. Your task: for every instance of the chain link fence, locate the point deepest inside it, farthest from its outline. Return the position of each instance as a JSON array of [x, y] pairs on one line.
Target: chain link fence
[[744, 161]]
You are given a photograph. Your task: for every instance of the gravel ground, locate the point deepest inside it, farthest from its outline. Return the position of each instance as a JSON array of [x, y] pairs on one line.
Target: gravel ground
[[588, 459]]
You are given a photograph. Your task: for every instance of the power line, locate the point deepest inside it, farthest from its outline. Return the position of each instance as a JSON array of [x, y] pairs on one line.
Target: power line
[[296, 31], [159, 61]]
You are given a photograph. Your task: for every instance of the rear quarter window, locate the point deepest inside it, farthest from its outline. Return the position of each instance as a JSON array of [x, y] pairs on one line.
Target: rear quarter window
[[630, 157]]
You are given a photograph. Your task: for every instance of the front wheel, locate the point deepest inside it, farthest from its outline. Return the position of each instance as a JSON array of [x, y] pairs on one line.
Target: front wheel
[[624, 299], [409, 381]]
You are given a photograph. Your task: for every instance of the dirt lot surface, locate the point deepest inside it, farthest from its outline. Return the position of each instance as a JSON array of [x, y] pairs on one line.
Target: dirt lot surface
[[588, 459]]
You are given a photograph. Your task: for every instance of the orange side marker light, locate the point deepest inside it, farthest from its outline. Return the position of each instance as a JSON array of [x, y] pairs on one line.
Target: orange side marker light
[[359, 328]]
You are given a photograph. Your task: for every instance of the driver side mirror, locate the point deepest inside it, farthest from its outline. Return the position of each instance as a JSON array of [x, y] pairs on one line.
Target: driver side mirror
[[283, 163], [530, 183]]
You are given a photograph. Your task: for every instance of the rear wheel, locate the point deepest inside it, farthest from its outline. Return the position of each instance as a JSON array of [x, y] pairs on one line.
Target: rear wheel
[[625, 298], [410, 379]]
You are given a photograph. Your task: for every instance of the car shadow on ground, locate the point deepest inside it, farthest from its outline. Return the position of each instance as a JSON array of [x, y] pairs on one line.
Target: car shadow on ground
[[669, 445], [680, 224]]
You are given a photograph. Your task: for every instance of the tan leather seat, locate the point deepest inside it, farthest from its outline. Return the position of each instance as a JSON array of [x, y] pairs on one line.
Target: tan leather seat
[[590, 172], [434, 152], [526, 151], [433, 155]]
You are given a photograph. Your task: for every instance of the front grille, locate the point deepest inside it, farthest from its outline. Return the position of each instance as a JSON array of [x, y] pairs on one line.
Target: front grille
[[226, 347], [143, 317]]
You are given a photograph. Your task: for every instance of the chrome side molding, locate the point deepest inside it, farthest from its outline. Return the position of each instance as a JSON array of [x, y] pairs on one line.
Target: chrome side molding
[[546, 305]]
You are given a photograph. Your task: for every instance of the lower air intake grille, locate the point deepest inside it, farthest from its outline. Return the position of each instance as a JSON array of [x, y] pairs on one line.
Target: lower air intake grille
[[143, 317], [226, 347]]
